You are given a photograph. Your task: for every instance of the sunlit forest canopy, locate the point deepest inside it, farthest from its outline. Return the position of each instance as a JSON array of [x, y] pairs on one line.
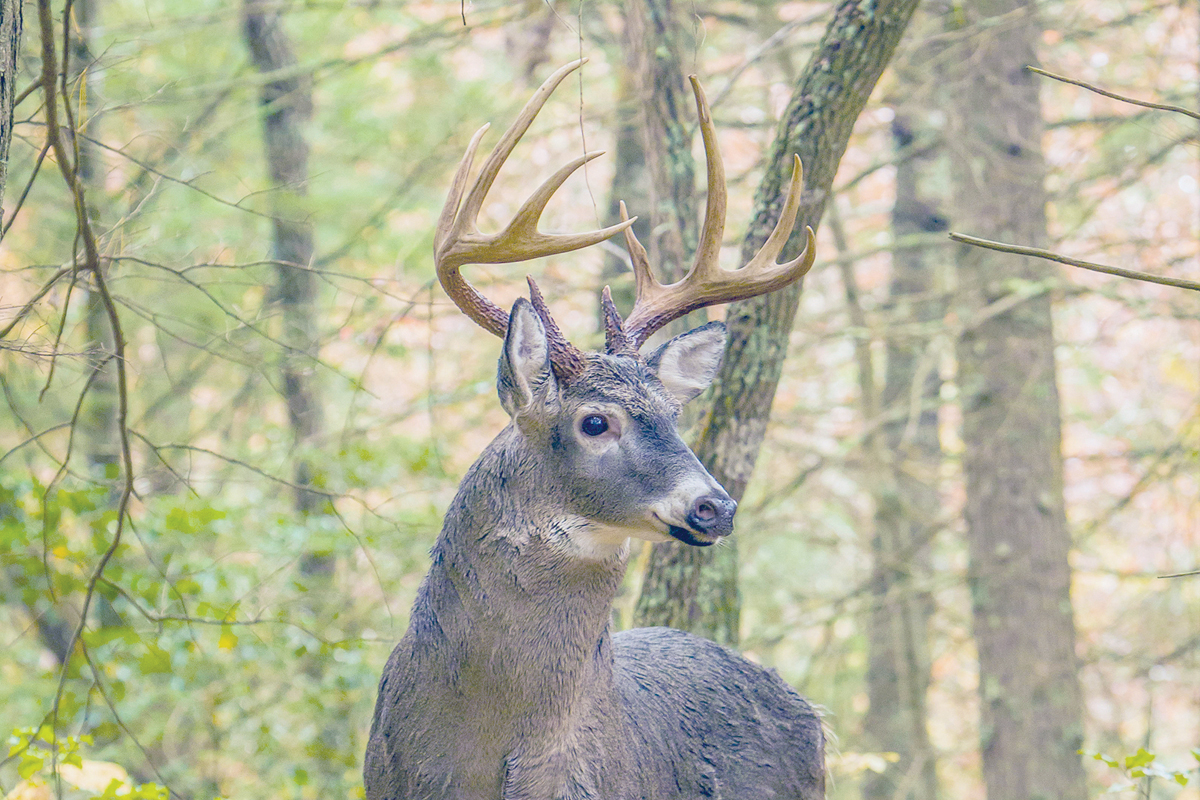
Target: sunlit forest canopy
[[237, 403]]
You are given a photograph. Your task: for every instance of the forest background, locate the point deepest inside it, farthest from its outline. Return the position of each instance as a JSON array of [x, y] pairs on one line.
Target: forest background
[[209, 543]]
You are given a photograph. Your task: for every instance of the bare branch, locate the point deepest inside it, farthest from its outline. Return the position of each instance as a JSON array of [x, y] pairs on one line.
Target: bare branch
[[1016, 249], [1114, 95]]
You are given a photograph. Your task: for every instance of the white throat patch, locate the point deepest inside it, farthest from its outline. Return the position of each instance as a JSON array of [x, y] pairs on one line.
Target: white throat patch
[[597, 541]]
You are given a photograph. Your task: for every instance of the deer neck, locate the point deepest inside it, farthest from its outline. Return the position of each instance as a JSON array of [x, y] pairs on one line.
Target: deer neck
[[525, 616]]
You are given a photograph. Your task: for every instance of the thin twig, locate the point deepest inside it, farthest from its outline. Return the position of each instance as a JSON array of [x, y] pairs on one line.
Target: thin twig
[[25, 309], [37, 166], [1143, 103], [1178, 283]]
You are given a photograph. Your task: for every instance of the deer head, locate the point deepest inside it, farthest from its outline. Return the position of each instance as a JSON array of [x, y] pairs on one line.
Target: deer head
[[603, 425]]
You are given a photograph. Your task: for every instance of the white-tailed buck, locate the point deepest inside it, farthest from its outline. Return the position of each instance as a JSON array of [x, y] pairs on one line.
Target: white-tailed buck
[[509, 684]]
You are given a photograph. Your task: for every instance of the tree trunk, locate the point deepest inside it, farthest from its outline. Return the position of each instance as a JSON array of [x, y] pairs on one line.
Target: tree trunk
[[1017, 534], [99, 438], [286, 100], [10, 48], [699, 585], [906, 456]]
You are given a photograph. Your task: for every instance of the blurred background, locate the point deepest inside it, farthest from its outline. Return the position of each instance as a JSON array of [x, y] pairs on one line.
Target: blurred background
[[967, 533]]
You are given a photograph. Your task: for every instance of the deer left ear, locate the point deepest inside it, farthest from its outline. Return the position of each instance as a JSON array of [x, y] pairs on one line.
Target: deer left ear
[[687, 364], [525, 381]]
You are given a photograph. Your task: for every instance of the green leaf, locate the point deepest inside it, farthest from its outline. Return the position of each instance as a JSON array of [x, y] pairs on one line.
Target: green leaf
[[1139, 759], [30, 765], [156, 661], [188, 586], [177, 520], [207, 514], [1181, 778]]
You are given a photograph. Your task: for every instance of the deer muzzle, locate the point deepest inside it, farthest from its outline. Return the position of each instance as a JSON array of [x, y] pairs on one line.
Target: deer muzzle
[[709, 520], [713, 515]]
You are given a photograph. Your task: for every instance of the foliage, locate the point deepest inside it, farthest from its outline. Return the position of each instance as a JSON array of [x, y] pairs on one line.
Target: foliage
[[45, 761], [1141, 765]]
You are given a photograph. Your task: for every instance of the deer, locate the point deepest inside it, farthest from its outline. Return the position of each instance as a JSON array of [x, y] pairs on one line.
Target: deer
[[509, 683]]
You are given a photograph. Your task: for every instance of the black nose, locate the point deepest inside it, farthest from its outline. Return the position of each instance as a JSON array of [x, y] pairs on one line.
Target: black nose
[[713, 515]]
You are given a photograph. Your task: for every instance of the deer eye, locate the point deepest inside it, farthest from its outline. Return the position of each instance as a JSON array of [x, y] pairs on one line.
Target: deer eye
[[593, 425]]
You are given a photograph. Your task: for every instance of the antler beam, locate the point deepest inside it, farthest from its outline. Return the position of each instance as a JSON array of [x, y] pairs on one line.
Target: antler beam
[[707, 284]]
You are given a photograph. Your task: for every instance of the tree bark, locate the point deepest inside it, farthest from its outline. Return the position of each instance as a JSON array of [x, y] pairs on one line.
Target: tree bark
[[1018, 540], [699, 586], [286, 100], [10, 48]]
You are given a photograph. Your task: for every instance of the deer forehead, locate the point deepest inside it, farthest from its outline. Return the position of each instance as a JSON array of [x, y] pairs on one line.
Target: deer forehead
[[623, 382]]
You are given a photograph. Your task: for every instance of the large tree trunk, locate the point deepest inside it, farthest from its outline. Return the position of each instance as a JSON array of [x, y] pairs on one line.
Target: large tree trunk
[[1017, 534], [10, 48], [286, 99], [699, 585], [906, 456]]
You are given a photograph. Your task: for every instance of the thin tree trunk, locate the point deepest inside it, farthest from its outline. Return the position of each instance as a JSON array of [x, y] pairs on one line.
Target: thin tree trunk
[[1018, 540], [98, 418], [286, 100], [10, 48], [700, 584], [907, 456]]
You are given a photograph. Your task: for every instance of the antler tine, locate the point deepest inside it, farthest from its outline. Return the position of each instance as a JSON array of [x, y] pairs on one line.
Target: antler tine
[[565, 358], [764, 259], [708, 250], [458, 241], [615, 341], [645, 283], [446, 220], [707, 283]]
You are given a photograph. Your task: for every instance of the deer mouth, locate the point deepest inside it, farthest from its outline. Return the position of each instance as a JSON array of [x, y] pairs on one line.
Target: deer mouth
[[689, 536], [693, 538]]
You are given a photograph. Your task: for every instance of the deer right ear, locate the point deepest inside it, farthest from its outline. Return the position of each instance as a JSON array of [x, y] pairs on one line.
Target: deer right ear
[[687, 364], [525, 381]]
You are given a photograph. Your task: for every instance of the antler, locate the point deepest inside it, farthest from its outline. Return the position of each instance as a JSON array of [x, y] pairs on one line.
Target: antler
[[707, 284], [458, 240]]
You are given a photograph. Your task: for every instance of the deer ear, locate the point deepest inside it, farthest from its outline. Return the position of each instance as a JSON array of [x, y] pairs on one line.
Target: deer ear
[[525, 379], [687, 364]]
